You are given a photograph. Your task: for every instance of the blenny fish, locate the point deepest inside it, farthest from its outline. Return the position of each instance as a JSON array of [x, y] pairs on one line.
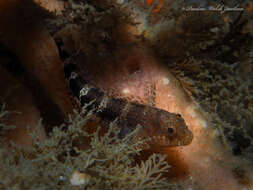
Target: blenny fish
[[159, 127]]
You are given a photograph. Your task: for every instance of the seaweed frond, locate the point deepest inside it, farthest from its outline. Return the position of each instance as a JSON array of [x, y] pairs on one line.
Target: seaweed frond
[[3, 115], [58, 163]]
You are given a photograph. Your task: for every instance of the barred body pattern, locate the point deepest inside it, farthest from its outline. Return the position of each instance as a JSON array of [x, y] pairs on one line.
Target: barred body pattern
[[159, 127]]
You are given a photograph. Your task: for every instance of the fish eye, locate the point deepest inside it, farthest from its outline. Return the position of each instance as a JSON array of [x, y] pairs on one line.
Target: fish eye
[[170, 130]]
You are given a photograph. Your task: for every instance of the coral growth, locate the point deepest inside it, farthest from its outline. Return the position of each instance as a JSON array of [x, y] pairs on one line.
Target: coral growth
[[21, 107], [196, 63], [209, 54], [30, 41], [59, 163]]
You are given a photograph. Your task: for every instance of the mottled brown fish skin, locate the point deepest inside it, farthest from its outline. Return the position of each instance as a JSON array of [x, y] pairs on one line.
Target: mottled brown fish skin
[[163, 128], [159, 127]]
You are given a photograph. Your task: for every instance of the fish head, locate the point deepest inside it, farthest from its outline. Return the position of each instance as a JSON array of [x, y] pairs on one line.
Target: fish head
[[170, 130]]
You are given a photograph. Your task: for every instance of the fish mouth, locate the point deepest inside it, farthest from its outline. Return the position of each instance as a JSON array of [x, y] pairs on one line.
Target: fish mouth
[[159, 141], [162, 141], [187, 139]]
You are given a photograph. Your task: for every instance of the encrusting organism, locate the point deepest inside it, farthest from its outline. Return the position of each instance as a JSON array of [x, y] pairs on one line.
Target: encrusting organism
[[57, 163]]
